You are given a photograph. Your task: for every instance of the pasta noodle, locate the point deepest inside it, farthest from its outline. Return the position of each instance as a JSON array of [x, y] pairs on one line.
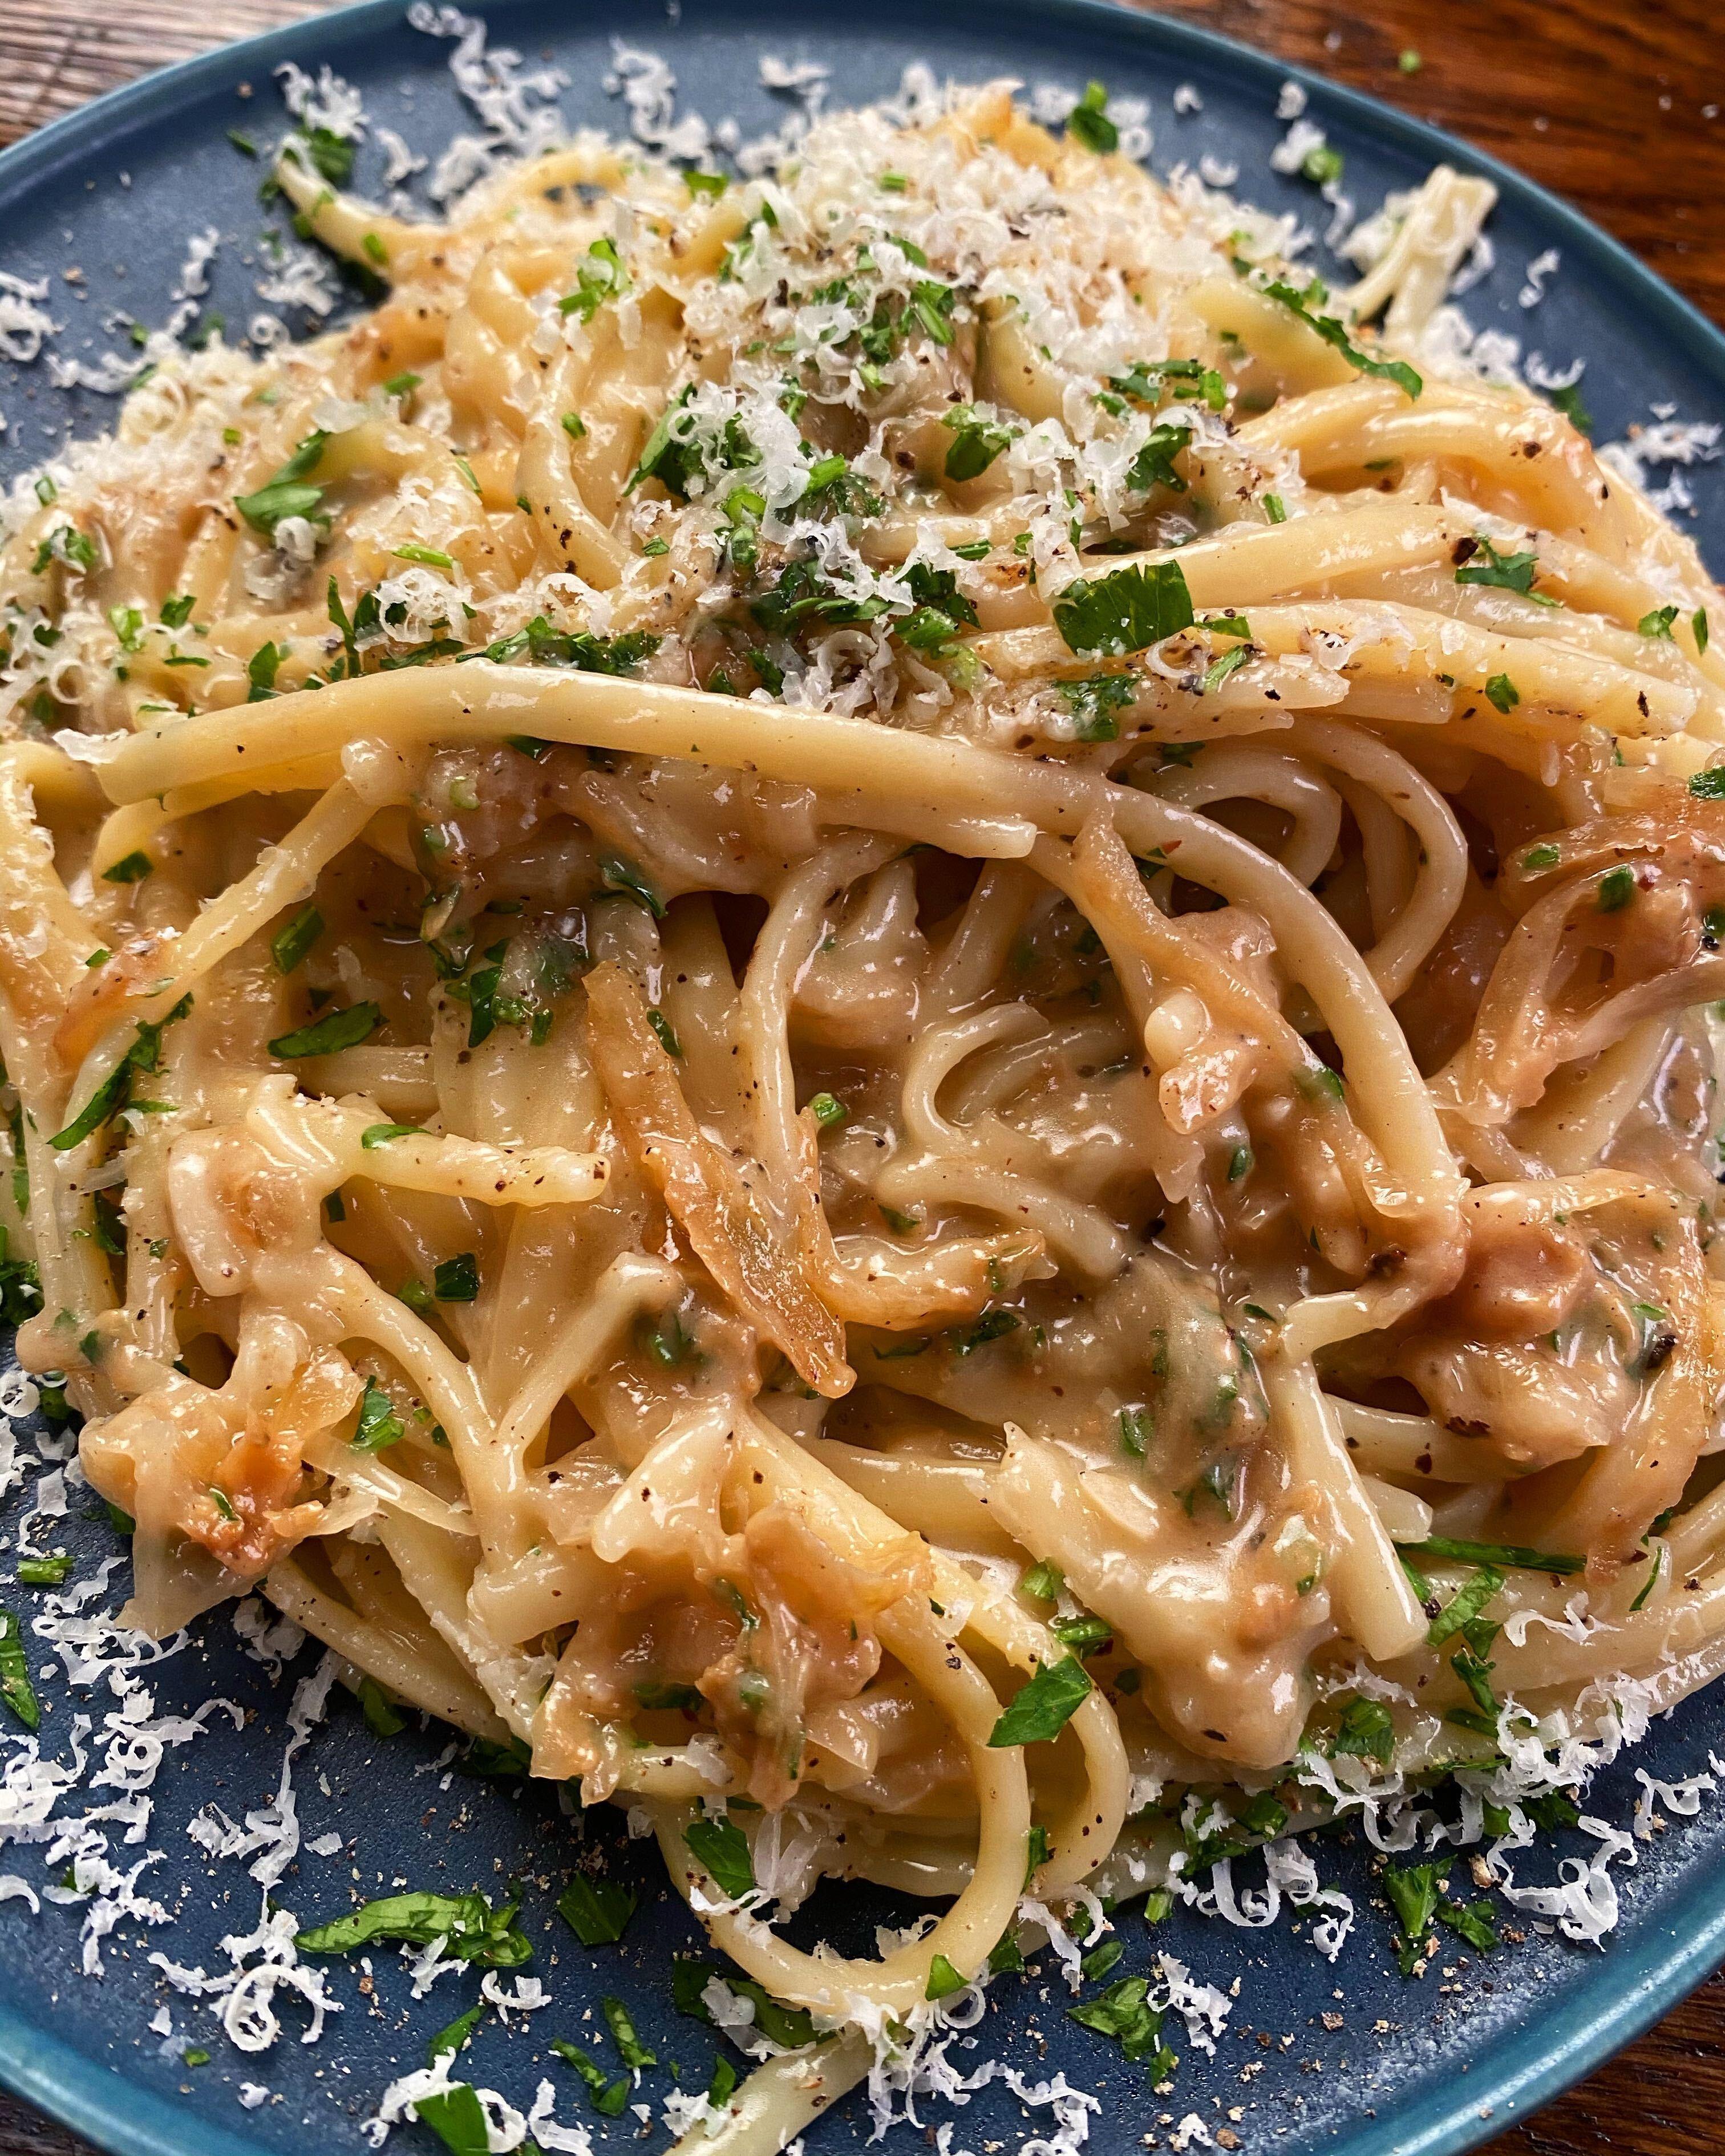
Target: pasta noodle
[[885, 1001]]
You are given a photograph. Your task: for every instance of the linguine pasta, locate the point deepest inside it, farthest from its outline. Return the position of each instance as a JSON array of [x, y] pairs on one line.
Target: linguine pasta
[[885, 1002]]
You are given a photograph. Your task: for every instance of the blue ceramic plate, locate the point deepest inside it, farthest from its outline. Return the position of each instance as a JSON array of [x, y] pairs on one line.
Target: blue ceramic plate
[[1350, 2058]]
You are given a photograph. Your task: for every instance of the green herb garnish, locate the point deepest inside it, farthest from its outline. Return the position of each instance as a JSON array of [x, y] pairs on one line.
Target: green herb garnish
[[1333, 333], [1615, 889], [977, 441], [468, 1925], [1365, 1732], [449, 2042], [1088, 122], [1129, 610], [289, 945], [1043, 1707], [722, 1848], [596, 1910], [608, 2096], [1124, 2012], [333, 1032], [1509, 1557], [15, 1686], [378, 1425]]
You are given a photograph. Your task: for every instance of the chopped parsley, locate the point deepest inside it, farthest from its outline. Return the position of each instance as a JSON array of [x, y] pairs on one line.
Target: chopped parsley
[[804, 598], [1661, 1557], [977, 441], [1153, 466], [599, 276], [457, 2118], [657, 1696], [992, 1324], [447, 2042], [1220, 1834], [331, 155], [45, 1571], [630, 2049], [1124, 2012], [289, 945], [1129, 610], [669, 1342], [379, 1709], [624, 877], [1083, 1635], [114, 1091], [383, 1134], [333, 1032], [1509, 1557], [1088, 122], [1567, 400], [722, 1848], [1414, 1892], [1094, 702], [261, 669], [1041, 1709], [790, 2026], [1230, 662], [378, 1424], [546, 646], [597, 1910], [1137, 1426], [607, 2097], [65, 544], [1319, 1082], [1219, 1483], [15, 1686], [470, 1929], [1303, 305], [1365, 1732], [290, 492], [456, 1280], [1505, 573], [1464, 1606], [1147, 380], [1417, 1894], [1615, 889]]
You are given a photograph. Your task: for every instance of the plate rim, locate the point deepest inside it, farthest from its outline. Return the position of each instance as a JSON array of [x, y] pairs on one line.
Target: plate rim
[[1675, 1950]]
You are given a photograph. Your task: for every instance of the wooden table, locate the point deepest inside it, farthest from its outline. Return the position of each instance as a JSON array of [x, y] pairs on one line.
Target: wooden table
[[1619, 105]]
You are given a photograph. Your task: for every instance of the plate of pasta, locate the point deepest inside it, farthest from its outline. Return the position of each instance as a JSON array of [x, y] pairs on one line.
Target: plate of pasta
[[861, 898]]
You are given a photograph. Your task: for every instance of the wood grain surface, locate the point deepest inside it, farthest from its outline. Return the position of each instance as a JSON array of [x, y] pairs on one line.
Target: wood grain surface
[[1620, 105]]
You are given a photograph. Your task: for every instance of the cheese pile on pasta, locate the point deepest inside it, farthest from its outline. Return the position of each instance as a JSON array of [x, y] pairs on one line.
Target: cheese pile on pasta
[[885, 992]]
